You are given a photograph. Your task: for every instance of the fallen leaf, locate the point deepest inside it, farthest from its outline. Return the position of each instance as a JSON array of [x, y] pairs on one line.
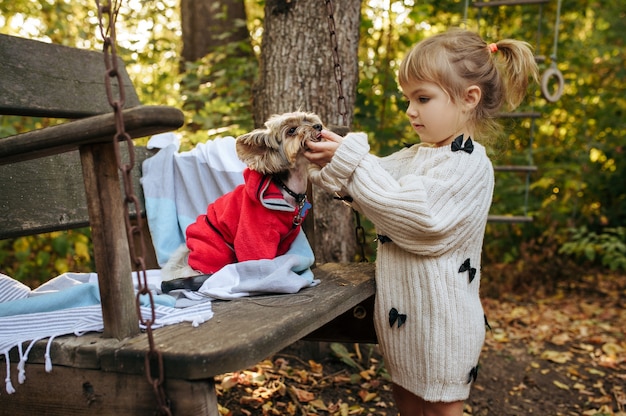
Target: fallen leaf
[[223, 411], [229, 381], [303, 395], [341, 379], [561, 339], [596, 372], [612, 349], [304, 376], [319, 404], [355, 409], [557, 356], [560, 385], [366, 374], [315, 367], [366, 396], [500, 336]]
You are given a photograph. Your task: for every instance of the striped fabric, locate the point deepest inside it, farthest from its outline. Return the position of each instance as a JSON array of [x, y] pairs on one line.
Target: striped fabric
[[24, 330]]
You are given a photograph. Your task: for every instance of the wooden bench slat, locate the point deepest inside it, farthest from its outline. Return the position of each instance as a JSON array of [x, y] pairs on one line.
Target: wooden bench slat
[[140, 122], [235, 338], [47, 80]]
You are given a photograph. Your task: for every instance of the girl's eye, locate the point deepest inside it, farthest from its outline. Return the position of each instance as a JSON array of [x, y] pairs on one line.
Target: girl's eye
[[423, 99], [292, 131]]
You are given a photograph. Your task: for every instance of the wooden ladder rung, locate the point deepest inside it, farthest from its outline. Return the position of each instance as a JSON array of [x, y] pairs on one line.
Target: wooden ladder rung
[[509, 218], [515, 168], [520, 114], [498, 3]]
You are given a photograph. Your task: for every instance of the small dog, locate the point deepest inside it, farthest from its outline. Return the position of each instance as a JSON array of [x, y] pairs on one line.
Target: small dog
[[260, 218]]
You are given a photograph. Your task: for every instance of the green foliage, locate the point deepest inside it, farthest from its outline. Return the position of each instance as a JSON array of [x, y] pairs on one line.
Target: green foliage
[[607, 247], [217, 94], [342, 353], [35, 259]]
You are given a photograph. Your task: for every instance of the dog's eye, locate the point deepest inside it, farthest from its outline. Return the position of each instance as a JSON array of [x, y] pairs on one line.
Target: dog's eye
[[292, 131]]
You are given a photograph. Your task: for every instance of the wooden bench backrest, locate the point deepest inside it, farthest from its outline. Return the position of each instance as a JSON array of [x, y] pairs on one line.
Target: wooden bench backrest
[[47, 80], [48, 194], [54, 80]]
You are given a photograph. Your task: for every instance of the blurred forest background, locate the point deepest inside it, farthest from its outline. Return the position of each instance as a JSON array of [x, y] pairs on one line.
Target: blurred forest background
[[577, 197]]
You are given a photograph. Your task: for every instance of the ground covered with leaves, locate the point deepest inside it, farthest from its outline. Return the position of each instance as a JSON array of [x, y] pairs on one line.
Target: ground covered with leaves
[[557, 354]]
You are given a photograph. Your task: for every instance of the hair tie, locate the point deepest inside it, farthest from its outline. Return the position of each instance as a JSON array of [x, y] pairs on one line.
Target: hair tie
[[493, 48]]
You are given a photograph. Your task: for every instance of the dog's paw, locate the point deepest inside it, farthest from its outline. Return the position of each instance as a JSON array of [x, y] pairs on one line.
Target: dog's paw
[[177, 267]]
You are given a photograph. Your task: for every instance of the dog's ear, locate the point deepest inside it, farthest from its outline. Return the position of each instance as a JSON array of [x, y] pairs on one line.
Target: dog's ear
[[259, 151]]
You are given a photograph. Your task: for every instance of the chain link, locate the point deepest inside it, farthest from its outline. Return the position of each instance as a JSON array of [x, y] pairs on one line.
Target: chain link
[[153, 358]]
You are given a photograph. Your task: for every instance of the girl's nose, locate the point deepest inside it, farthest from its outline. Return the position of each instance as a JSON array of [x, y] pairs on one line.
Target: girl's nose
[[411, 110]]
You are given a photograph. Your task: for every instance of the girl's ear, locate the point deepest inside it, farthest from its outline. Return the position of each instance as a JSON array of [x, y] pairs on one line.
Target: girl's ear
[[473, 94]]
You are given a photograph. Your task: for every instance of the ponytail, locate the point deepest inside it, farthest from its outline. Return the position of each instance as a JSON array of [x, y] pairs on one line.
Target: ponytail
[[517, 62]]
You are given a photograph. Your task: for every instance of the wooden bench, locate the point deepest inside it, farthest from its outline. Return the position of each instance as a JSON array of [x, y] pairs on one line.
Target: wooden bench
[[42, 191]]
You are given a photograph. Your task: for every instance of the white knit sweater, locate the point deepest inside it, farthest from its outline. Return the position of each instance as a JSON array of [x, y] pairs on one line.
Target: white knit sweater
[[433, 204]]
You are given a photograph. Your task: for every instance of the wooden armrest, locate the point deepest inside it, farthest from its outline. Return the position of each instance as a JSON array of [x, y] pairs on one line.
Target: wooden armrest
[[241, 333], [139, 121]]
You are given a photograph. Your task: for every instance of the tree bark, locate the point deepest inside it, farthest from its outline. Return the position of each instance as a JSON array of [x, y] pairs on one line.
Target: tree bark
[[297, 72], [207, 24]]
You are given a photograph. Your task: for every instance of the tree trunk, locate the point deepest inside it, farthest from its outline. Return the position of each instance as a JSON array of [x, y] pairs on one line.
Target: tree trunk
[[297, 72], [207, 24]]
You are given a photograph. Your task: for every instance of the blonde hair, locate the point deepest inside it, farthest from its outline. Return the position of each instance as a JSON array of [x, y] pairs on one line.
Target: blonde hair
[[457, 59]]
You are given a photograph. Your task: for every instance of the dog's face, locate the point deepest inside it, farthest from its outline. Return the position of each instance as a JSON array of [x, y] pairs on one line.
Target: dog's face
[[275, 148]]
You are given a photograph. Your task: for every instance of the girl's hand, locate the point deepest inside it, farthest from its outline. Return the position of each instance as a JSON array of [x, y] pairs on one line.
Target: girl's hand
[[323, 151]]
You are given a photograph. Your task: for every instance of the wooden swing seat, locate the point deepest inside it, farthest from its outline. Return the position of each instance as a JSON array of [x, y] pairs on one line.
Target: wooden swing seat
[[42, 191]]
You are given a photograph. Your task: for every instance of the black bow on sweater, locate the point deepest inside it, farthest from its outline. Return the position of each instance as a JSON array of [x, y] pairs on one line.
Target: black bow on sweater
[[395, 316], [473, 375], [466, 267], [457, 145]]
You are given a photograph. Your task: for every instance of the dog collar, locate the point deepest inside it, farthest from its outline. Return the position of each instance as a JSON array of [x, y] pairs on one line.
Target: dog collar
[[300, 198], [303, 204]]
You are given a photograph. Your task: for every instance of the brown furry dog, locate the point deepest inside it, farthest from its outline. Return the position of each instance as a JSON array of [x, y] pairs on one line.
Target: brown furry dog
[[259, 219]]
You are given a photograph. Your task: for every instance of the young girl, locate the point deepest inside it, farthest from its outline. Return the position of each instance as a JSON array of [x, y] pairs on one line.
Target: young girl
[[429, 204]]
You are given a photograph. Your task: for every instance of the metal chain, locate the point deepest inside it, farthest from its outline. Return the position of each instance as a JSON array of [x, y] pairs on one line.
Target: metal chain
[[341, 99], [343, 110], [153, 358], [359, 232]]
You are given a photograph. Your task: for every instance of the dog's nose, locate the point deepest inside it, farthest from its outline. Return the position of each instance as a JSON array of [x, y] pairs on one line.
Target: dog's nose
[[317, 127]]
